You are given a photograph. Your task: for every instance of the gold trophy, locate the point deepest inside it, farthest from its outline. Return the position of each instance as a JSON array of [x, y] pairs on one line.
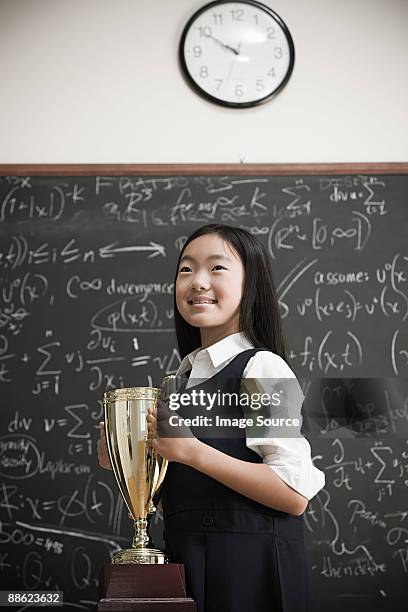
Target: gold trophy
[[138, 469]]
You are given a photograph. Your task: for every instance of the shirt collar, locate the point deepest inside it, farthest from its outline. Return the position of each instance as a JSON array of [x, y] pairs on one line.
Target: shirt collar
[[221, 351], [187, 363]]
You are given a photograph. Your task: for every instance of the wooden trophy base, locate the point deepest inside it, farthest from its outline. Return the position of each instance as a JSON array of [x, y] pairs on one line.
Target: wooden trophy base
[[147, 588]]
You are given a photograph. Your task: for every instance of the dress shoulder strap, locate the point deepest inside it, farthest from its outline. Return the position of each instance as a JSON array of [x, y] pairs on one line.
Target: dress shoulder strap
[[237, 365]]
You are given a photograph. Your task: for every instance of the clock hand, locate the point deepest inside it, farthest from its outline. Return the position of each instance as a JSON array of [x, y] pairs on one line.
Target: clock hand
[[231, 68], [236, 51], [223, 44]]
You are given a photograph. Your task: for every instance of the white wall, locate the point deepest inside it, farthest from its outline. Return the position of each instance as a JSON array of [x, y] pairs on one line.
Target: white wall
[[97, 81]]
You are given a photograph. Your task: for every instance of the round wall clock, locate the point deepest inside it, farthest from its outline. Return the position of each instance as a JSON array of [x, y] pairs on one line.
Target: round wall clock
[[237, 54]]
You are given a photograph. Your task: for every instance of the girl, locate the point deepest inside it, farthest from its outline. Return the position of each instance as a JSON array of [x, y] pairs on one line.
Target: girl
[[232, 507]]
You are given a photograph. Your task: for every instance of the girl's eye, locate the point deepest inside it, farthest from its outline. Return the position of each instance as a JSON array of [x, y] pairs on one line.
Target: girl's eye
[[186, 268]]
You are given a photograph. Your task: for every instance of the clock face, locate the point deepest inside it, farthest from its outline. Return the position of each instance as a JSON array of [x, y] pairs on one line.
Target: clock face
[[236, 53]]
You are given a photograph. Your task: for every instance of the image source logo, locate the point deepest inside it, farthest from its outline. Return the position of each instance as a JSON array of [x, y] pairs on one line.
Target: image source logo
[[271, 409]]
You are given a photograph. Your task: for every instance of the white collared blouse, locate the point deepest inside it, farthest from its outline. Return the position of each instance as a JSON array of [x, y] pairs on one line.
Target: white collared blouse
[[290, 458]]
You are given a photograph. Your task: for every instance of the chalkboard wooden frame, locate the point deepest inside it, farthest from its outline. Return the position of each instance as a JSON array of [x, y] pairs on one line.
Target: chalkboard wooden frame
[[202, 169]]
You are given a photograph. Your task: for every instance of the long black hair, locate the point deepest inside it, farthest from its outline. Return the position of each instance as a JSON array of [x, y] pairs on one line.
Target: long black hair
[[259, 316]]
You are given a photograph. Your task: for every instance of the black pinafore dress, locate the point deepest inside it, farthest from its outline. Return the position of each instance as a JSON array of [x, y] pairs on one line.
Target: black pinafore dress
[[239, 555]]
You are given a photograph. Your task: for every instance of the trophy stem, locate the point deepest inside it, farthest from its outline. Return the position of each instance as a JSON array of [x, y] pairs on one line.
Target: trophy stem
[[141, 551], [140, 539]]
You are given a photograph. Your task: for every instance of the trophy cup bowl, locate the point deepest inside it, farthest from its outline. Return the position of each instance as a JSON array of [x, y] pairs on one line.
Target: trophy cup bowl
[[138, 469]]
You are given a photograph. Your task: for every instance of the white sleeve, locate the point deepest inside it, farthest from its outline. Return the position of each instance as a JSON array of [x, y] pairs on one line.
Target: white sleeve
[[289, 457]]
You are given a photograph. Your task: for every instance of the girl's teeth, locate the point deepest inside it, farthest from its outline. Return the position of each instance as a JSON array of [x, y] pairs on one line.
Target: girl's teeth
[[204, 302]]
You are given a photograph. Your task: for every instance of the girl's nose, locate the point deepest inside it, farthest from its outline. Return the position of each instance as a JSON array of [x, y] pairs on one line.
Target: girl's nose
[[200, 281]]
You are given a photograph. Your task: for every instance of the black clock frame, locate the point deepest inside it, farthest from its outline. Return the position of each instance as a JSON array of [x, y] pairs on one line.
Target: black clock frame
[[214, 99]]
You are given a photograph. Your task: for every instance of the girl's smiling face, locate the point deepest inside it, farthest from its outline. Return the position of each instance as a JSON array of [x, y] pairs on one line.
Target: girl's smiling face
[[209, 286]]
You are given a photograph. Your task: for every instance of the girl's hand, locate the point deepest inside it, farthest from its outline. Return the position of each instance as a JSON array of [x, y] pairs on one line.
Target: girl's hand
[[103, 455], [179, 449]]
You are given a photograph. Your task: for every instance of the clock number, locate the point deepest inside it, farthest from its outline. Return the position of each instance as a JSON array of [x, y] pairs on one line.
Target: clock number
[[239, 91], [256, 18], [260, 85], [204, 72], [271, 32], [237, 14], [220, 82], [271, 72], [278, 53], [205, 31], [197, 51], [218, 18]]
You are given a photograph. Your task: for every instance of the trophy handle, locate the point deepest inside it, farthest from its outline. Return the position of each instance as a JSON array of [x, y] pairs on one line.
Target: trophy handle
[[170, 384]]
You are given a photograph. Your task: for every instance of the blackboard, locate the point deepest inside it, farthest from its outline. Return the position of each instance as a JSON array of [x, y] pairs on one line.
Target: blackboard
[[87, 262]]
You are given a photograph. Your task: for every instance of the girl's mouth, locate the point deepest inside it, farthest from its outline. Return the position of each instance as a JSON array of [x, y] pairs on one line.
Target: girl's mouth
[[201, 302]]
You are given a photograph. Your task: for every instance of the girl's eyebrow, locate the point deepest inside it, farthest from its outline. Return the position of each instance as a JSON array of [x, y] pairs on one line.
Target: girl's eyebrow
[[210, 257]]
